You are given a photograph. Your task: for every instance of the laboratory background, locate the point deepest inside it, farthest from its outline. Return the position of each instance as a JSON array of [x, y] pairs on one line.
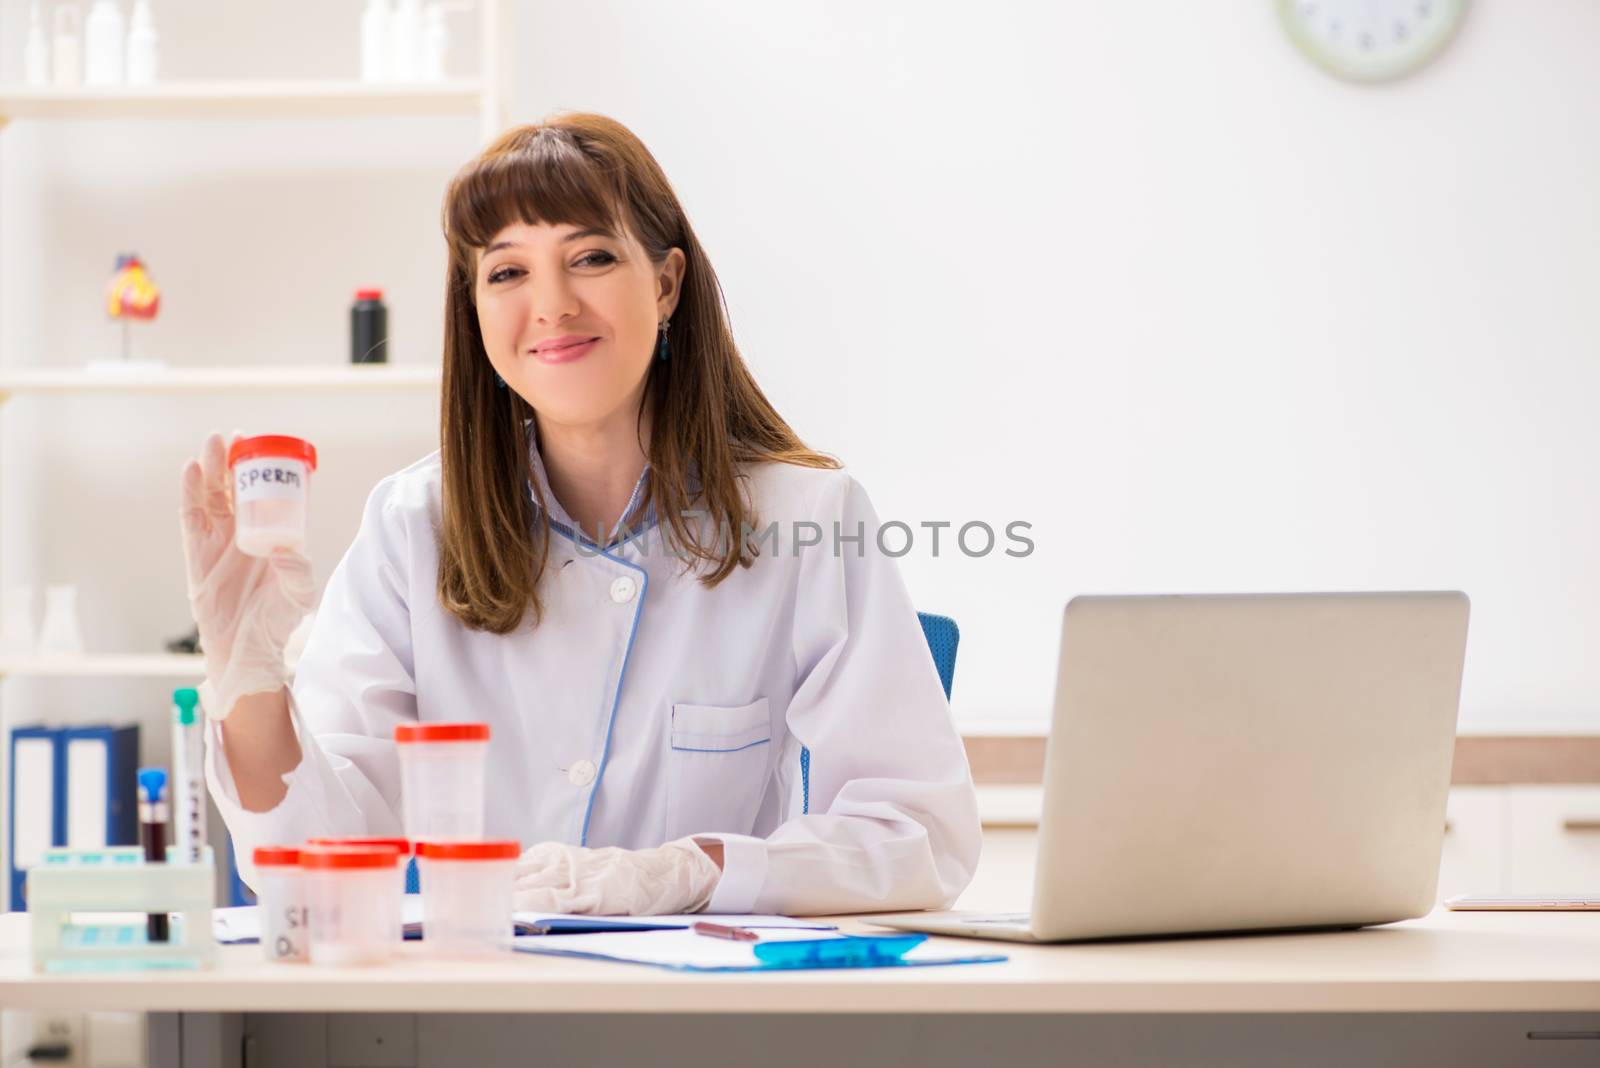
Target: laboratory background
[[1143, 291]]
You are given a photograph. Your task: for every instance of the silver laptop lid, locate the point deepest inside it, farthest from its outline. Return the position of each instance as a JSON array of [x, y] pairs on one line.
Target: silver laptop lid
[[1248, 761]]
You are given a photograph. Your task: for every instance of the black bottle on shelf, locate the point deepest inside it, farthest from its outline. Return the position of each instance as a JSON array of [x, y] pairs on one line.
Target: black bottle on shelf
[[369, 328]]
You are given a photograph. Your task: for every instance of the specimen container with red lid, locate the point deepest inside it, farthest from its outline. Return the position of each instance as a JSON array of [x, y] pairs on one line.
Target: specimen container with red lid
[[281, 903], [466, 896], [354, 896], [271, 476], [442, 774]]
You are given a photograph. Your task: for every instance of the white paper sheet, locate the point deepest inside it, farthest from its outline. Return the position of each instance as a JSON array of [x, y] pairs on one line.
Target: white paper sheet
[[685, 949], [243, 923], [678, 947], [803, 923]]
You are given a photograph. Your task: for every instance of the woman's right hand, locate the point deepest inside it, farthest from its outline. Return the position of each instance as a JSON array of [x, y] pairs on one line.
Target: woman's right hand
[[246, 606]]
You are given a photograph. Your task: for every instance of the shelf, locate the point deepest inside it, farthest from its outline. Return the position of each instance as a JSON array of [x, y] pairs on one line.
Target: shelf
[[261, 99], [195, 379], [79, 666]]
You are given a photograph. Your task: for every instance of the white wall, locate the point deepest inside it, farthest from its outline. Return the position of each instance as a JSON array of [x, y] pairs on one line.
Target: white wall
[[1141, 275], [1137, 274]]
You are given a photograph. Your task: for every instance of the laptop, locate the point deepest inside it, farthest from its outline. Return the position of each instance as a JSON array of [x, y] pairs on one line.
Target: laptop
[[1256, 762]]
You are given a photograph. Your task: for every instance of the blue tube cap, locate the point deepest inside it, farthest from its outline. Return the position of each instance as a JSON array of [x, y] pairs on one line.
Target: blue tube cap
[[153, 783]]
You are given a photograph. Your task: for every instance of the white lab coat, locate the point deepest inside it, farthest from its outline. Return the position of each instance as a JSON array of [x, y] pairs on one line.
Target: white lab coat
[[646, 707]]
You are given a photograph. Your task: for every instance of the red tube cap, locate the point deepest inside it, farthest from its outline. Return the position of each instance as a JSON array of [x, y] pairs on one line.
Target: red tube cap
[[275, 856], [399, 845], [442, 732], [273, 445], [342, 857], [495, 850]]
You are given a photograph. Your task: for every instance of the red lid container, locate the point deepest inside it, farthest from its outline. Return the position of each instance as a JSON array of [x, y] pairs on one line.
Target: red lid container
[[399, 845], [492, 850], [273, 445], [277, 856], [442, 732], [369, 294], [345, 857]]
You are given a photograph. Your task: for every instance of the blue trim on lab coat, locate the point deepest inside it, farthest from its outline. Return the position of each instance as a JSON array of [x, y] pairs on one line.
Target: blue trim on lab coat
[[739, 749], [616, 699], [805, 780]]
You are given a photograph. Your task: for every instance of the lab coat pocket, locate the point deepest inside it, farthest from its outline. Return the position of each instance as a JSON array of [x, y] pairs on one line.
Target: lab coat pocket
[[718, 768]]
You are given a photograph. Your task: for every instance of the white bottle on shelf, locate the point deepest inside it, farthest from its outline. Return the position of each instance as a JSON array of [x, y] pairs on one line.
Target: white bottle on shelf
[[59, 635], [435, 43], [103, 44], [375, 42], [143, 50], [405, 38], [66, 56], [37, 55]]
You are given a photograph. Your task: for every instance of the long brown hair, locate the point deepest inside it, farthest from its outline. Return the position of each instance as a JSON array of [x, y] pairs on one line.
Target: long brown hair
[[707, 414]]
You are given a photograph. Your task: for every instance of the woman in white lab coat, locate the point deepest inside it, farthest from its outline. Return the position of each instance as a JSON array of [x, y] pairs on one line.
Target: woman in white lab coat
[[682, 718]]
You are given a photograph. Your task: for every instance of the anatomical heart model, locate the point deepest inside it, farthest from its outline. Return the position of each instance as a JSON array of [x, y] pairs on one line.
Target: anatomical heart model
[[131, 294]]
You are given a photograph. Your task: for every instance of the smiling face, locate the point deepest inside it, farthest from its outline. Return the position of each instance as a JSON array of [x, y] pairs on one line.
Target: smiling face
[[569, 317]]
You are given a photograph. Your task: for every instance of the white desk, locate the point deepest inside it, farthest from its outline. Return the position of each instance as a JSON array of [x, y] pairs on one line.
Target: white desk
[[1530, 967]]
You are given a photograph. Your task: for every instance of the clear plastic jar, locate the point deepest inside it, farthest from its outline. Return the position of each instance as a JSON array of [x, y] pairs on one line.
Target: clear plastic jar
[[442, 779], [466, 896], [402, 846], [271, 492], [281, 897], [353, 895]]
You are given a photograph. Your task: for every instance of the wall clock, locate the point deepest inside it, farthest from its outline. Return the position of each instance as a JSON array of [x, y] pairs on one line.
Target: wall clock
[[1371, 40]]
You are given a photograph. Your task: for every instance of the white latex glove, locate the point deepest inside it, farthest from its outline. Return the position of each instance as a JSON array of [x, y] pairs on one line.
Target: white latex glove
[[245, 606], [673, 878]]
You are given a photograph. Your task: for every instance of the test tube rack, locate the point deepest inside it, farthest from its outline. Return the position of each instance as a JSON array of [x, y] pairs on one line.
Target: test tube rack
[[88, 909]]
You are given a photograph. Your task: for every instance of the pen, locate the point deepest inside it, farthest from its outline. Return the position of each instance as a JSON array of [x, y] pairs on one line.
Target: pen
[[153, 836], [733, 934], [188, 765]]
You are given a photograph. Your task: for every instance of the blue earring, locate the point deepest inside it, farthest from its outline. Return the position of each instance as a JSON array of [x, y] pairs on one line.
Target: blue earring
[[663, 349]]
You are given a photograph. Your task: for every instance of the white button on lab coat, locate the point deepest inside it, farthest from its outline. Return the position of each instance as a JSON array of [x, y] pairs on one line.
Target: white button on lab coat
[[645, 707]]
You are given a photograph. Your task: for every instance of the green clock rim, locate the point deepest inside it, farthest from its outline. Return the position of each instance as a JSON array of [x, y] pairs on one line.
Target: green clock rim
[[1309, 47]]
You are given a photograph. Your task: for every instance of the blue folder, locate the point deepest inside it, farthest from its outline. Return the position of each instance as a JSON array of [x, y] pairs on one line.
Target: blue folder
[[105, 806], [114, 800], [43, 816]]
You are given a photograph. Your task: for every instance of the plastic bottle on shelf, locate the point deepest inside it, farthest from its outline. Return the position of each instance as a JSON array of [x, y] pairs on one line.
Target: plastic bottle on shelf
[[375, 41], [435, 43], [37, 54], [103, 44], [143, 53], [369, 328], [66, 57], [405, 40], [59, 635]]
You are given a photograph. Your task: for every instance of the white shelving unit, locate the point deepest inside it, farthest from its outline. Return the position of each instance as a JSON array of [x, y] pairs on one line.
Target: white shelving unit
[[233, 100], [483, 97], [366, 378], [132, 666]]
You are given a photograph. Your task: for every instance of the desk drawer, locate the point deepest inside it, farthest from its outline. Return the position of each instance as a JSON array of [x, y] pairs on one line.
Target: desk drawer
[[1555, 839]]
